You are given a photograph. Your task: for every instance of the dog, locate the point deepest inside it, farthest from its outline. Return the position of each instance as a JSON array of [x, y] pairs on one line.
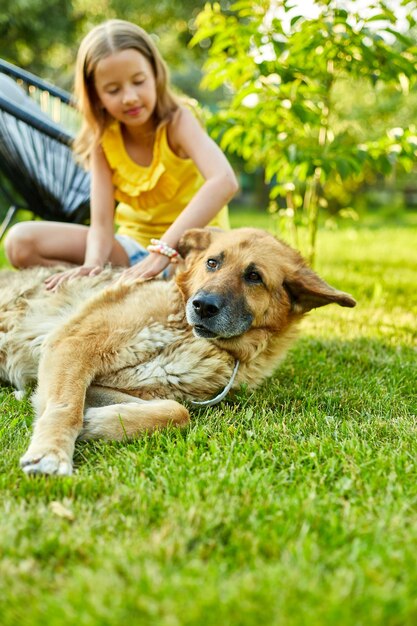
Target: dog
[[113, 360]]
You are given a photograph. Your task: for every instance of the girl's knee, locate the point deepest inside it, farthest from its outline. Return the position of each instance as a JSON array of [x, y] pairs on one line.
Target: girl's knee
[[20, 245]]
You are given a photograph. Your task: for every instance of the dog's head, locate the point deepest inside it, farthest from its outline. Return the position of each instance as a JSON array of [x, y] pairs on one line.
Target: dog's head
[[246, 279]]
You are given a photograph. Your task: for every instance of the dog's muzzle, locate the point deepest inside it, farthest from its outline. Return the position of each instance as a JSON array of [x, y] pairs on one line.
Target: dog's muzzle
[[215, 315]]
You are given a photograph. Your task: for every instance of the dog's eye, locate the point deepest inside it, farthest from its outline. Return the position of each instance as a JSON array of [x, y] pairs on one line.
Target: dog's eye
[[212, 264], [253, 277]]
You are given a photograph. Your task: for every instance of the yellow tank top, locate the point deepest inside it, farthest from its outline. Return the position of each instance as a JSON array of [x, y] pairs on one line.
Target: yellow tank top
[[151, 198]]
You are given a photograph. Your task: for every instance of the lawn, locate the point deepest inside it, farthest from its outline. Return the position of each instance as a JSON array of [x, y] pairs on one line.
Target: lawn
[[292, 505]]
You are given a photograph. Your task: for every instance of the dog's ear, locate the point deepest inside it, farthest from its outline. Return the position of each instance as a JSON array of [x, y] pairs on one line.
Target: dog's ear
[[196, 240], [308, 291]]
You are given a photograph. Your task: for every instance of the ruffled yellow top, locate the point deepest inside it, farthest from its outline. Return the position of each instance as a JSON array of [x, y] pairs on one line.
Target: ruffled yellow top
[[151, 198]]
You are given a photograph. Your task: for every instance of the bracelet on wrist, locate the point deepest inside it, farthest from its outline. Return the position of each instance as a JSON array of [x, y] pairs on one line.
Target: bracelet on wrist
[[159, 246]]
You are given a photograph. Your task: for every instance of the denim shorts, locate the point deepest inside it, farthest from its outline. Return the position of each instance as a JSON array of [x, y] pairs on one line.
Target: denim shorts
[[133, 249], [137, 253]]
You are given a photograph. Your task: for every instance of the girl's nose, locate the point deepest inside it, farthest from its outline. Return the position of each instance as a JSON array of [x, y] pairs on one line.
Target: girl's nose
[[129, 95]]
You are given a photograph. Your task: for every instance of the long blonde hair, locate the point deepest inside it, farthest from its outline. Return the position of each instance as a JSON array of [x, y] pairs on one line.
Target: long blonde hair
[[104, 40]]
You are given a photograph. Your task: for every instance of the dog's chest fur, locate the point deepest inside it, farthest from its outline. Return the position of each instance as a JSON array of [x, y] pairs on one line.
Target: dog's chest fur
[[168, 362]]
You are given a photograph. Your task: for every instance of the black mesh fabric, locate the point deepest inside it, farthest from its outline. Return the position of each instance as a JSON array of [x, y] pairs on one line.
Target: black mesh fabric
[[37, 161]]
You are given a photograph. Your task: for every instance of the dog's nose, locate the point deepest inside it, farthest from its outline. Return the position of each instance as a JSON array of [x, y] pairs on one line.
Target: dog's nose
[[207, 305]]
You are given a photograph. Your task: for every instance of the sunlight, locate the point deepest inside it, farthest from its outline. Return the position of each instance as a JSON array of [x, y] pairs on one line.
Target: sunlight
[[365, 9]]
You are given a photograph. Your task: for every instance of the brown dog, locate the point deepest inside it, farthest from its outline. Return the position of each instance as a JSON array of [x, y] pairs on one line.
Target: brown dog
[[113, 360]]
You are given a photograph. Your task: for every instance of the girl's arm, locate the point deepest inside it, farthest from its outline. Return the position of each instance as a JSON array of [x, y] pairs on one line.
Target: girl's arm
[[189, 140], [100, 236]]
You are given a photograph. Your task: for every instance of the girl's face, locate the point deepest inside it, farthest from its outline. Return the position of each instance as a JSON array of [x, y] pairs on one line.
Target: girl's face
[[125, 85]]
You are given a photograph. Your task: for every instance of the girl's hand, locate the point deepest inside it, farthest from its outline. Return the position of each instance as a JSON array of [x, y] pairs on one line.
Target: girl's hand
[[56, 280], [150, 267]]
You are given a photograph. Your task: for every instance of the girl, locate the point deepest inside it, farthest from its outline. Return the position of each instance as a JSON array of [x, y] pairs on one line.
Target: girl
[[144, 150]]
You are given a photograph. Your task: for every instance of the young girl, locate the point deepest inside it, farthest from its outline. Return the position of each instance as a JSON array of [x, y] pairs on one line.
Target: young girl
[[146, 151]]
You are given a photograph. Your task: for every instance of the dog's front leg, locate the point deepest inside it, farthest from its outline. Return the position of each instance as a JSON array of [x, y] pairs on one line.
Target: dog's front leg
[[66, 369], [72, 356]]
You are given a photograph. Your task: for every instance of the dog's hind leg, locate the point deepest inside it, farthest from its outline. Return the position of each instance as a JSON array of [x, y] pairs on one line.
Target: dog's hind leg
[[130, 419]]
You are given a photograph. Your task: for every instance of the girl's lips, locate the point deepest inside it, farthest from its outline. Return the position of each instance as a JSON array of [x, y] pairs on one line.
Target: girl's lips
[[134, 111]]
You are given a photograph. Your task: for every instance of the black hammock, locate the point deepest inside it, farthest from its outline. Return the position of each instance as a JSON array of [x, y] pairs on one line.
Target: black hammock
[[37, 169]]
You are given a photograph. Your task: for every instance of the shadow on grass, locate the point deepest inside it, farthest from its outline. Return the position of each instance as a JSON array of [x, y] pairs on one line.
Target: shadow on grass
[[362, 376]]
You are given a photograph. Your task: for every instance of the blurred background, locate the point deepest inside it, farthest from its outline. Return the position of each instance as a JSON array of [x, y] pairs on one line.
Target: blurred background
[[314, 102]]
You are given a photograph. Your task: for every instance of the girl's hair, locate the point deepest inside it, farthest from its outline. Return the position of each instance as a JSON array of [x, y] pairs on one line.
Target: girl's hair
[[107, 38]]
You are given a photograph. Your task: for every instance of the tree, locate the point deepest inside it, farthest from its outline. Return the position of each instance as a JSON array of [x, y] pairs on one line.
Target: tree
[[32, 32], [282, 70], [43, 35]]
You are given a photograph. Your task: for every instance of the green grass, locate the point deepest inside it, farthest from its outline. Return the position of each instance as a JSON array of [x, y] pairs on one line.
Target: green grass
[[293, 505]]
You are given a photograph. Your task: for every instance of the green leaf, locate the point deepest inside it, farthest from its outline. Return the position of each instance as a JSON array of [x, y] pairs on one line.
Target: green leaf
[[295, 19]]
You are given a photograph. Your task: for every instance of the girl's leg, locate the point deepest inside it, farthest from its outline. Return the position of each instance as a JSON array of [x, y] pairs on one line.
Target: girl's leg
[[50, 243]]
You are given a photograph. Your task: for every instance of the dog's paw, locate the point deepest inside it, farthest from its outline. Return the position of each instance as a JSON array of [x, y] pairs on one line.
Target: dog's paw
[[48, 462]]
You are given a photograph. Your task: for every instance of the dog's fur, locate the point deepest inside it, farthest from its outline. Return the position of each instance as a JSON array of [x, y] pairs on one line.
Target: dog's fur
[[114, 360]]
